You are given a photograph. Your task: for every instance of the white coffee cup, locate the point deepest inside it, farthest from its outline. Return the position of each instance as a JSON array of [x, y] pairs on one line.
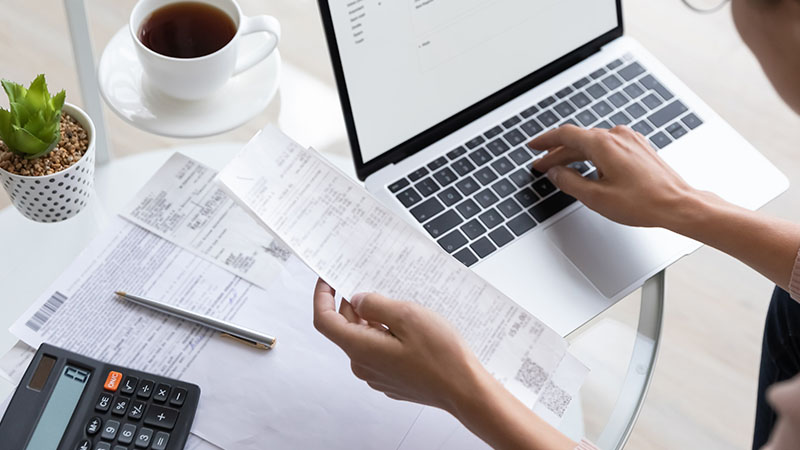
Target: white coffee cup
[[196, 78]]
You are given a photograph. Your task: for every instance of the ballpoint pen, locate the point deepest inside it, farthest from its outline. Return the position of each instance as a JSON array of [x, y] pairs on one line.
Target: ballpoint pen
[[245, 335]]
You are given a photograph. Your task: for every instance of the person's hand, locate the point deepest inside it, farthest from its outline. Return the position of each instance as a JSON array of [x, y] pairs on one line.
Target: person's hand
[[400, 348], [634, 185]]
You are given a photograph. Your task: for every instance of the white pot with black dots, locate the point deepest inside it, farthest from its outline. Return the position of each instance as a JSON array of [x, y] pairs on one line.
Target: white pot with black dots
[[60, 195]]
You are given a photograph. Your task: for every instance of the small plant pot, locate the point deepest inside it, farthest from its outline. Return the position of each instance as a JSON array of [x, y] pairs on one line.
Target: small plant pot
[[59, 196]]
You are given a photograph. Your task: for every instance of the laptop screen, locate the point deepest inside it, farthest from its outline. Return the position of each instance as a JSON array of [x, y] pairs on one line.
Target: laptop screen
[[410, 64]]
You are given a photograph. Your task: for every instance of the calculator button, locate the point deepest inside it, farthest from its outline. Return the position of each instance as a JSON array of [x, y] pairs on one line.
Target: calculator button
[[103, 402], [110, 430], [178, 397], [119, 447], [145, 389], [128, 385], [161, 417], [102, 446], [84, 445], [162, 392], [160, 441], [94, 426], [112, 381], [120, 406], [126, 433], [137, 410], [143, 437]]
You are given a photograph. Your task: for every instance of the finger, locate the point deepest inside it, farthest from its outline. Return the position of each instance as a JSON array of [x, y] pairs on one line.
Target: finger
[[572, 183], [560, 157], [377, 308], [567, 136], [346, 309], [327, 321]]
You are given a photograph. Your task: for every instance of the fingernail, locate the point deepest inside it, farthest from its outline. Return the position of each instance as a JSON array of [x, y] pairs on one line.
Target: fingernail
[[357, 299], [552, 174]]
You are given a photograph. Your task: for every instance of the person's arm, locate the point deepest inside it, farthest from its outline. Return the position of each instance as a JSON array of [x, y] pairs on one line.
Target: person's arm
[[636, 187], [410, 353]]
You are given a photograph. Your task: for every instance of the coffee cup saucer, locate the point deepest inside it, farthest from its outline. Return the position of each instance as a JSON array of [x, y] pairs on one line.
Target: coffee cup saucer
[[127, 92]]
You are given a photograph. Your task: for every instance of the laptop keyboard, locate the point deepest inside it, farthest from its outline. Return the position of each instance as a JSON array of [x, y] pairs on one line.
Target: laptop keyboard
[[484, 194]]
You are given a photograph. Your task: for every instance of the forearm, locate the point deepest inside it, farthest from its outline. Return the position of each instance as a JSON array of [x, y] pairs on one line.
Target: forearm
[[767, 244]]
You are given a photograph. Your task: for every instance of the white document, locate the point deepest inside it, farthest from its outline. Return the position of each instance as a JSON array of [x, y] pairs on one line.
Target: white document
[[358, 245], [181, 204]]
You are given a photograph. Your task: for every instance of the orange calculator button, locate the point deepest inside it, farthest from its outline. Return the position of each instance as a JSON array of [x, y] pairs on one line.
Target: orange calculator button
[[112, 381]]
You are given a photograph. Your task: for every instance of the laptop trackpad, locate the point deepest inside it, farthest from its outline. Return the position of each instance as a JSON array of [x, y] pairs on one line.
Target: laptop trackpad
[[610, 255]]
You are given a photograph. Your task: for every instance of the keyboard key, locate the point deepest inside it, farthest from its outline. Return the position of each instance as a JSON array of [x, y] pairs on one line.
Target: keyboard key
[[614, 64], [636, 110], [466, 257], [529, 112], [143, 437], [474, 142], [551, 206], [498, 147], [442, 224], [643, 127], [509, 208], [110, 430], [631, 71], [564, 109], [467, 186], [620, 118], [161, 416], [94, 425], [520, 156], [145, 388], [660, 140], [480, 157], [502, 165], [531, 128], [618, 99], [485, 176], [417, 174], [676, 130], [161, 393], [579, 166], [692, 121], [650, 82], [547, 118], [486, 198], [456, 153], [394, 187], [598, 73], [463, 166], [445, 177], [633, 90], [564, 92], [667, 113], [652, 101], [453, 241], [473, 229], [495, 131], [120, 406], [427, 209], [437, 163], [427, 187], [522, 177], [450, 196], [501, 236], [483, 247], [512, 121], [546, 102], [127, 433], [491, 218], [612, 82], [581, 83], [504, 188], [568, 121], [520, 224], [580, 100], [604, 124], [160, 441], [514, 137], [137, 410], [526, 197], [602, 108], [596, 91], [543, 187], [586, 118], [103, 402], [87, 445], [409, 197], [468, 208]]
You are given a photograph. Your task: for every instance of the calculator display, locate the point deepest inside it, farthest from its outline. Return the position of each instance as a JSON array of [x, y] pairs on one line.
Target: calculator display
[[59, 408]]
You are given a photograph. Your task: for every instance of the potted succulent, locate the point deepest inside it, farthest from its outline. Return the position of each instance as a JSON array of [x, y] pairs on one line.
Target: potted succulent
[[46, 153]]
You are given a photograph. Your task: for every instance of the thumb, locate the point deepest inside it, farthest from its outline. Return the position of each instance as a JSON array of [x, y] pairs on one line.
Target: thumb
[[571, 182], [377, 308]]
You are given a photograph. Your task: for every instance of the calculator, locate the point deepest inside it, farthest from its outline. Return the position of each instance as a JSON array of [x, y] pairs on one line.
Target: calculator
[[67, 401]]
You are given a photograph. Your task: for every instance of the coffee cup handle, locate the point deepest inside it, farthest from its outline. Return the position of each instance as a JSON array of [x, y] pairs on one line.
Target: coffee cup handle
[[258, 24]]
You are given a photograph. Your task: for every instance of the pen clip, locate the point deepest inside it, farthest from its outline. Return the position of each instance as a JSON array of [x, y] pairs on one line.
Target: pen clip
[[249, 342]]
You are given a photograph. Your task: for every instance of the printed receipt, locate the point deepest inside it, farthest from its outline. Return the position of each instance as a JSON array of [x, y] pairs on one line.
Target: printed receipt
[[357, 245], [180, 203]]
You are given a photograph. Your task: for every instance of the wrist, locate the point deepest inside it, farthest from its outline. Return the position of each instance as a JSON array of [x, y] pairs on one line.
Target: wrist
[[691, 212]]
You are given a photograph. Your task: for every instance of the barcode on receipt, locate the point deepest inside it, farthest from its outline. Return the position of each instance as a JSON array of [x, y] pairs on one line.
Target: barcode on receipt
[[47, 310]]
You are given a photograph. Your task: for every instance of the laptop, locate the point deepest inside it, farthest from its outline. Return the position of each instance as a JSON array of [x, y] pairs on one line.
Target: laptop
[[440, 98]]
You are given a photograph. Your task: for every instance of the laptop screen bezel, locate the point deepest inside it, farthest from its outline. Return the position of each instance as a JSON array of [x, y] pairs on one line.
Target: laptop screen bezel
[[458, 120]]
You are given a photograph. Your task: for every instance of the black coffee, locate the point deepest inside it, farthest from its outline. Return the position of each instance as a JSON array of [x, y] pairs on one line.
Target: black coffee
[[187, 30]]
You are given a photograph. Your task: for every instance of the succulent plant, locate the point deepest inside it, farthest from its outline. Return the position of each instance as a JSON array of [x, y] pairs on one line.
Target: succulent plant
[[32, 126]]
